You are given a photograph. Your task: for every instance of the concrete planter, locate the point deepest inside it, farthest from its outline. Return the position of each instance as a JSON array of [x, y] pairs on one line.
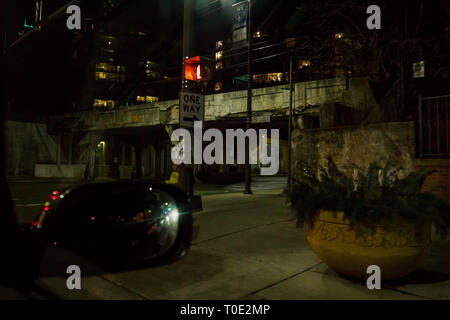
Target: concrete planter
[[397, 247]]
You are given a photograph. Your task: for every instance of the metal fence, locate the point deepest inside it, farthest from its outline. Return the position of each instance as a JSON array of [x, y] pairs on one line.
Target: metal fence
[[434, 126]]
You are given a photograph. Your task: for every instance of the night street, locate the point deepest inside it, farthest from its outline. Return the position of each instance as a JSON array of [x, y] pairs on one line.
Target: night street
[[209, 152]]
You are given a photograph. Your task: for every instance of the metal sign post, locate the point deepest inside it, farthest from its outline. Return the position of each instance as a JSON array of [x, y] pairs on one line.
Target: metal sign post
[[248, 178]]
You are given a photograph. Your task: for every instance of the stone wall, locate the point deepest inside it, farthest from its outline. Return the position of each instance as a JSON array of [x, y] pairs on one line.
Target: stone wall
[[439, 181], [392, 142]]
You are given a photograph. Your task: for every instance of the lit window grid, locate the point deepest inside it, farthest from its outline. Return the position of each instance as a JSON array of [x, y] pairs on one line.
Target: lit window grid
[[147, 99], [268, 77], [103, 103], [110, 76]]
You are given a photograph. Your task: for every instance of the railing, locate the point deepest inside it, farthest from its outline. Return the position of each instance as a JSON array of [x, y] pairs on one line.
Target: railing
[[434, 126]]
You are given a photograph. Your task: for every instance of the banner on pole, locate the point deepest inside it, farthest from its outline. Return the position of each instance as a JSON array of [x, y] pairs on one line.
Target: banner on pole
[[240, 18]]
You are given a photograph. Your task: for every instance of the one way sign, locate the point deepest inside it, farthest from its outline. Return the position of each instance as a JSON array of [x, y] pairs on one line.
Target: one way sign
[[192, 108]]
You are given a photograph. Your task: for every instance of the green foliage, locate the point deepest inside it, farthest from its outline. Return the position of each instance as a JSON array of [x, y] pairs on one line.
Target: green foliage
[[365, 199]]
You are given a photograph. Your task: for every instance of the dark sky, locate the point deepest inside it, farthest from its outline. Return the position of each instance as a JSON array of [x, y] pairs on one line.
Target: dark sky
[[213, 23]]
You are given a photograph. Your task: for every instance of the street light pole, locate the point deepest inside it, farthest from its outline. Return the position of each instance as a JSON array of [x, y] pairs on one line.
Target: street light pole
[[289, 184], [188, 39], [249, 102]]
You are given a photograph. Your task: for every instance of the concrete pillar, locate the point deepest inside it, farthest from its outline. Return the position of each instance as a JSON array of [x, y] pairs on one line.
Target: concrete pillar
[[70, 155], [158, 161], [91, 160], [58, 150], [138, 171], [133, 155], [122, 159]]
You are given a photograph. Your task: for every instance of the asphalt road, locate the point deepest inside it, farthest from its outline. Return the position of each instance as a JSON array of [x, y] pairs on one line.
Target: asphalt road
[[29, 194]]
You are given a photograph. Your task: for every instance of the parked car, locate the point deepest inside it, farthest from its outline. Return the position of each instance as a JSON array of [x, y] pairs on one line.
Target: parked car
[[117, 222]]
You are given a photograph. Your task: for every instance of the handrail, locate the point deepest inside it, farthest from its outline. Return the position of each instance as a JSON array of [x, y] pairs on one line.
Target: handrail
[[436, 97]]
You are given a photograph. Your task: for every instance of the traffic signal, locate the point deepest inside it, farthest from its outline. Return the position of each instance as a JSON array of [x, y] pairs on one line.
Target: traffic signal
[[196, 69]]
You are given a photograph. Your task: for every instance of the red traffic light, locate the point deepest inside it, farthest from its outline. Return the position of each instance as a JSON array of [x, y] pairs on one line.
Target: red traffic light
[[192, 69], [195, 69]]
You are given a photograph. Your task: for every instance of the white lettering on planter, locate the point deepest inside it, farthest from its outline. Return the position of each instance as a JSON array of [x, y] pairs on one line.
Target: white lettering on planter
[[374, 281]]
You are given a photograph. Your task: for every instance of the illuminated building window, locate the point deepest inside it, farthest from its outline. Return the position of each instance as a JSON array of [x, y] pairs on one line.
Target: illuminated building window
[[218, 86], [152, 74], [338, 35], [147, 99], [89, 24], [150, 99], [268, 77], [110, 72], [100, 75], [219, 55], [100, 103], [304, 63], [114, 77], [218, 65], [109, 67], [152, 70], [290, 42], [219, 45]]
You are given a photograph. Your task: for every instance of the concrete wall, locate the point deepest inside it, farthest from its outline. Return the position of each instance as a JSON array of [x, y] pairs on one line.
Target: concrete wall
[[59, 171], [77, 171], [28, 144], [380, 143], [274, 100]]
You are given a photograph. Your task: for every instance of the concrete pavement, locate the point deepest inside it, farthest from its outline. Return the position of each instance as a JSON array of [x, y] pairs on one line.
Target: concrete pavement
[[248, 248]]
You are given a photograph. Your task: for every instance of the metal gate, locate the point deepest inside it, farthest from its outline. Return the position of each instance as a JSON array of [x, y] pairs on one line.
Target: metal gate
[[434, 126]]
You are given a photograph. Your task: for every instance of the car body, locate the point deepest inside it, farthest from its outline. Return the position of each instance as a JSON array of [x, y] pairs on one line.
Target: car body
[[124, 221]]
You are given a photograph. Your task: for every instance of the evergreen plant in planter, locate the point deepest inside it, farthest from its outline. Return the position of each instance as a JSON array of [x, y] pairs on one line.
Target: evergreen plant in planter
[[375, 219]]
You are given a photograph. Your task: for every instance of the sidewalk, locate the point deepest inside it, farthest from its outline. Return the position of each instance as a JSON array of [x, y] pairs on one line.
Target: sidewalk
[[248, 248]]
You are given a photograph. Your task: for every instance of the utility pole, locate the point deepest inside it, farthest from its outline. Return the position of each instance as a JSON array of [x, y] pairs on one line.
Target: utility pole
[[249, 102], [289, 185], [188, 39], [188, 18]]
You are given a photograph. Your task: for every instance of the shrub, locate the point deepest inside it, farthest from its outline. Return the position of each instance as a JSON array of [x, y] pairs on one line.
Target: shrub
[[369, 198]]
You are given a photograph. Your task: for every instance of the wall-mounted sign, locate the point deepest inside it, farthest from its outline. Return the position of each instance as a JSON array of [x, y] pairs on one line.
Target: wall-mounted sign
[[137, 118], [419, 69], [261, 119]]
